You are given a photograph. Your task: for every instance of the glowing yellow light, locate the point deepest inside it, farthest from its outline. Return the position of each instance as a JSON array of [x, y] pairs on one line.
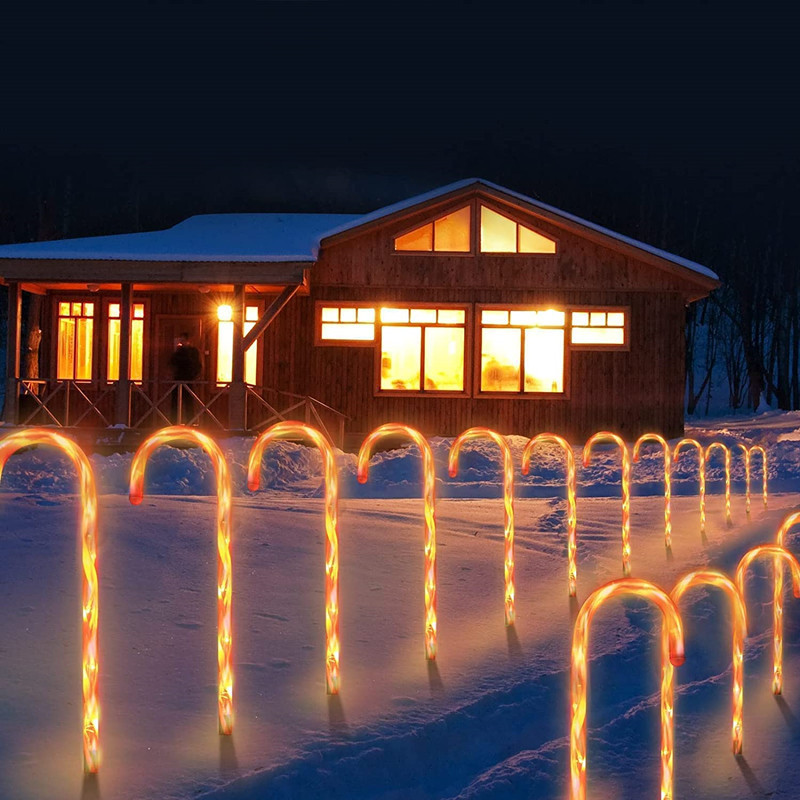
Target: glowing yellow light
[[508, 504], [182, 433], [429, 488], [572, 516], [89, 584], [605, 436], [748, 454], [579, 689], [709, 450], [676, 454], [779, 554], [654, 437], [224, 313], [282, 430], [777, 597], [712, 577]]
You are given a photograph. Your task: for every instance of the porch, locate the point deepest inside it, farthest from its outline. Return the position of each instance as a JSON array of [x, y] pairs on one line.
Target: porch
[[154, 404]]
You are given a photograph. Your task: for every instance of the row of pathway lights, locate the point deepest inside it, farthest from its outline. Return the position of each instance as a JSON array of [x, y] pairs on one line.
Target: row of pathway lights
[[672, 632]]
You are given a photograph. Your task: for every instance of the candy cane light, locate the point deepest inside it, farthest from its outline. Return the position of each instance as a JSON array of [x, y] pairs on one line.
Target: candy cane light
[[89, 582], [712, 577], [654, 437], [392, 429], [289, 429], [671, 620], [777, 594], [778, 554], [572, 516], [182, 433], [709, 450], [508, 503], [748, 454], [605, 436], [701, 459]]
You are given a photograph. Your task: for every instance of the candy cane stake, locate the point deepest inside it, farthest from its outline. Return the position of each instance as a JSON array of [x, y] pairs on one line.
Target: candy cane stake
[[579, 689], [89, 582], [572, 515], [508, 504], [282, 430], [605, 436], [654, 437], [429, 483], [183, 433]]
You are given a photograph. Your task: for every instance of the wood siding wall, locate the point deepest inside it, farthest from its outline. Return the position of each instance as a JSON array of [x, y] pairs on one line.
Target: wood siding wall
[[629, 392]]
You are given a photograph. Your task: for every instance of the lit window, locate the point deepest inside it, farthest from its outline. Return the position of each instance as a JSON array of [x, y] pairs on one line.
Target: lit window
[[422, 349], [225, 345], [137, 342], [599, 328], [75, 335], [347, 324], [522, 350], [447, 234], [499, 234]]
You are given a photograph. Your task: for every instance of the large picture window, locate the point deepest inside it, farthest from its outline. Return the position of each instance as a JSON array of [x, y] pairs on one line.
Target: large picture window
[[422, 349], [522, 351], [75, 341], [137, 342]]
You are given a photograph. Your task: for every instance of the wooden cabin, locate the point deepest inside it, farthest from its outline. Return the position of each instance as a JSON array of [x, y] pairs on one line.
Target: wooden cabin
[[469, 305]]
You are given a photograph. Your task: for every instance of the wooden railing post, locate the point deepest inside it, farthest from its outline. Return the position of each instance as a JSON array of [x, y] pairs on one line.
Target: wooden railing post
[[11, 410], [122, 401], [236, 396]]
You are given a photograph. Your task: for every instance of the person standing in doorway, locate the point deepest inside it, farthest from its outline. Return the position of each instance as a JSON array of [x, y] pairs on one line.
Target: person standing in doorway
[[186, 368]]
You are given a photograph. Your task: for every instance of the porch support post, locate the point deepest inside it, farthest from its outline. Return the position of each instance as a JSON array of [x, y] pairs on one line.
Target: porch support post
[[11, 410], [238, 396], [123, 396]]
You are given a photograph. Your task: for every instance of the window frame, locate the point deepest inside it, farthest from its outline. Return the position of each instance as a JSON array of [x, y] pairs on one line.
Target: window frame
[[320, 304], [77, 297], [503, 212], [467, 308], [107, 300], [625, 347], [214, 346], [564, 394], [429, 220]]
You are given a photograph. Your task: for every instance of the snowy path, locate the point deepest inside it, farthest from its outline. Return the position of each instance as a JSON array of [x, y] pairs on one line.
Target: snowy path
[[489, 721]]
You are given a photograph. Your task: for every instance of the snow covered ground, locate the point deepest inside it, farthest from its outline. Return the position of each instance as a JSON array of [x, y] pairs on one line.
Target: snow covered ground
[[490, 720]]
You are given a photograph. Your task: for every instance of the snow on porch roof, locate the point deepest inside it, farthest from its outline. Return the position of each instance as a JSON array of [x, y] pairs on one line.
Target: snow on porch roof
[[535, 205], [205, 237]]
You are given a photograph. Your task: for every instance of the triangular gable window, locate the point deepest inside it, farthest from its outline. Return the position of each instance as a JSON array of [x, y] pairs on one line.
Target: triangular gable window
[[447, 234], [500, 234]]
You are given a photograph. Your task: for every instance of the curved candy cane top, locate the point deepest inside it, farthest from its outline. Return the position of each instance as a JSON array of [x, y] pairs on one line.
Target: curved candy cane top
[[482, 433], [90, 586], [713, 577], [683, 443], [652, 437], [787, 524], [769, 550], [641, 588], [394, 429], [170, 435], [289, 429], [550, 438], [604, 436], [718, 446]]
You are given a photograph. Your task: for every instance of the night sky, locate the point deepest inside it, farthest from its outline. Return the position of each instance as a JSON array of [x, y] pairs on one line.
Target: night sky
[[681, 130]]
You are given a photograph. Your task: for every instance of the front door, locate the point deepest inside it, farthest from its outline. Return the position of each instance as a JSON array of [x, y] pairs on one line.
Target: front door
[[170, 329]]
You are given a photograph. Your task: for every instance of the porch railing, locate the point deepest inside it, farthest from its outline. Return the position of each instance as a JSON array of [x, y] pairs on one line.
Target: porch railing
[[152, 404]]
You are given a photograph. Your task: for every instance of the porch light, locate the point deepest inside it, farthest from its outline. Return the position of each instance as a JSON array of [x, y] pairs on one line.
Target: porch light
[[224, 313]]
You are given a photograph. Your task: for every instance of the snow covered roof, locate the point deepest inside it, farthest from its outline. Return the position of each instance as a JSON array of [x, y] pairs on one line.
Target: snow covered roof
[[535, 205], [288, 237], [206, 237]]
